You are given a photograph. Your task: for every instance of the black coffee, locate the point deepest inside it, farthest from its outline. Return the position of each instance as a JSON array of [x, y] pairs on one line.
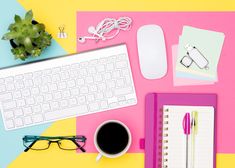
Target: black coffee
[[112, 138]]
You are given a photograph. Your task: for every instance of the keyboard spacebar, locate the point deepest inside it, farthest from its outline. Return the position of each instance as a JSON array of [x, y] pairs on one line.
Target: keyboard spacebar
[[64, 113]]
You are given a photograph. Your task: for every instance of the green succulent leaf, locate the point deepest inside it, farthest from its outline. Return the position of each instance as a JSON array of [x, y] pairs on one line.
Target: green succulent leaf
[[19, 52], [39, 27], [17, 19], [28, 44], [9, 35], [36, 52], [29, 16]]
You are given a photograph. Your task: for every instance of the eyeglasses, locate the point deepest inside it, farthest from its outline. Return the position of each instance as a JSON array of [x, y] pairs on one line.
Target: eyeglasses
[[44, 142]]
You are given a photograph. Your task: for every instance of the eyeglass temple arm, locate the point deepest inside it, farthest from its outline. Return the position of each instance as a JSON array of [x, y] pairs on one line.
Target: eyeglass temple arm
[[27, 148], [79, 146]]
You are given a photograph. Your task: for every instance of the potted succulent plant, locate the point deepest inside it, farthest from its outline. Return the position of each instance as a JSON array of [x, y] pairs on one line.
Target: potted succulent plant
[[27, 37]]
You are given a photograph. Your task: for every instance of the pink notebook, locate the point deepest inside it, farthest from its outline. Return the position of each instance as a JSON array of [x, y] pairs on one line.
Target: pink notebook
[[154, 103]]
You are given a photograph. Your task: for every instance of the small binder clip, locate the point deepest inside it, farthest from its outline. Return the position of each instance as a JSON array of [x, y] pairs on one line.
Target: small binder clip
[[62, 34]]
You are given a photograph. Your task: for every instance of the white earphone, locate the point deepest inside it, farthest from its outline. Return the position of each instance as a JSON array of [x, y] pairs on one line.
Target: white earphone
[[104, 30]]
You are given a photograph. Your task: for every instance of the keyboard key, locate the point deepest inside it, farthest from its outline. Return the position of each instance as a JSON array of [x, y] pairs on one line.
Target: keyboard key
[[121, 57], [121, 64], [18, 85], [90, 97], [66, 94], [37, 118], [36, 109], [72, 102], [94, 106], [9, 80], [28, 75], [18, 122], [37, 73], [17, 94], [89, 80], [2, 88], [110, 67], [44, 89], [57, 95], [110, 84], [46, 107], [92, 88], [27, 111], [104, 104], [20, 103], [5, 96], [75, 91], [55, 70], [54, 105], [39, 99], [18, 112], [55, 78], [46, 72], [98, 78], [62, 85], [100, 68], [92, 70], [35, 91], [113, 105], [28, 120], [99, 96], [64, 103], [102, 86], [120, 82], [46, 79], [64, 75], [66, 112], [71, 83], [123, 91], [10, 86], [9, 124], [9, 105], [81, 99], [37, 81], [109, 94], [48, 97], [107, 76], [9, 115], [25, 93], [53, 87], [30, 101], [116, 74], [83, 90], [80, 82], [28, 83], [2, 81]]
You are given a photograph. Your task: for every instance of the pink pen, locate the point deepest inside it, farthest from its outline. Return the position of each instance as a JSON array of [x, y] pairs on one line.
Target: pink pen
[[186, 127]]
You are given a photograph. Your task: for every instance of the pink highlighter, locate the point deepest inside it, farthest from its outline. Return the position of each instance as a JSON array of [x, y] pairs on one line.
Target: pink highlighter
[[186, 127]]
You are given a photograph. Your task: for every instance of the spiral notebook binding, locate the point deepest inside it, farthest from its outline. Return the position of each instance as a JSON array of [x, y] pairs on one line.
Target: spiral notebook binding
[[165, 139]]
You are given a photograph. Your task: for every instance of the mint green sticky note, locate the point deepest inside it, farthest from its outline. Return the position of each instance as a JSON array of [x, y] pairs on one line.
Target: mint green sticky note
[[209, 43]]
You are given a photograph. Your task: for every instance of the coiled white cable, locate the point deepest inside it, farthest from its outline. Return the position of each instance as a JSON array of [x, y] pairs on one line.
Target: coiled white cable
[[107, 29]]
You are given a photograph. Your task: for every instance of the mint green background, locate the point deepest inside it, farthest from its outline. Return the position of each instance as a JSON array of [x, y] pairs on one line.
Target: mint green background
[[11, 144]]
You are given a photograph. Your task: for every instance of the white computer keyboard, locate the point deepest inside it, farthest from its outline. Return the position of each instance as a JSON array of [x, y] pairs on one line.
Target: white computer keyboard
[[65, 87]]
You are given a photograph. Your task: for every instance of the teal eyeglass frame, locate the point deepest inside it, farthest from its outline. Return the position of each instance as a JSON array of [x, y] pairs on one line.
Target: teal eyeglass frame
[[56, 139]]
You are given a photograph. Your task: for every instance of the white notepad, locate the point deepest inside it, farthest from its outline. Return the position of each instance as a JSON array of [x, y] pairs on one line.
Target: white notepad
[[174, 139]]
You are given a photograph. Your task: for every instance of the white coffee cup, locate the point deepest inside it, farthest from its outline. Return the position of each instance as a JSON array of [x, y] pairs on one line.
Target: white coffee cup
[[103, 153]]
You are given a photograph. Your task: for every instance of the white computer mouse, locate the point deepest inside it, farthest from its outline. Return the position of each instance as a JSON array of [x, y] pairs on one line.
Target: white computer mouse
[[152, 51]]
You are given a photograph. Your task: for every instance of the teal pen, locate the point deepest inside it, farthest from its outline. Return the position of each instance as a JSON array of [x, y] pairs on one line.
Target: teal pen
[[194, 128]]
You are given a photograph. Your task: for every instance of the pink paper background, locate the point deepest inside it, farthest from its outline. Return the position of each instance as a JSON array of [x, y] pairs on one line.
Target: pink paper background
[[184, 81], [172, 23]]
